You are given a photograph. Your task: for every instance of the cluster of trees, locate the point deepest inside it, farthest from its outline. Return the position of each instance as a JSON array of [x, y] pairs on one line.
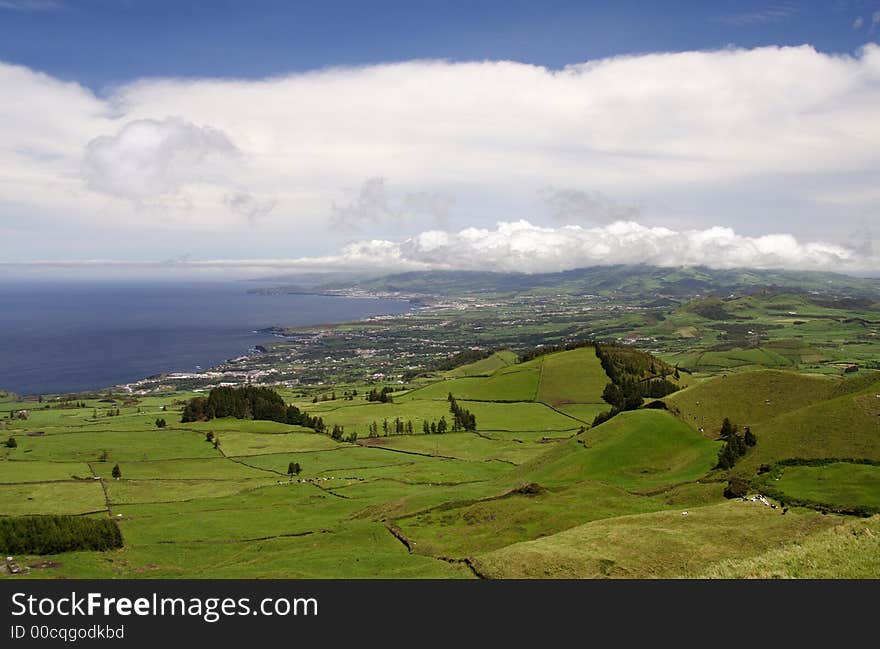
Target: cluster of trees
[[627, 364], [248, 402], [338, 433], [161, 423], [634, 375], [111, 412], [211, 438], [735, 445], [55, 534], [11, 443], [461, 419], [294, 468], [382, 396]]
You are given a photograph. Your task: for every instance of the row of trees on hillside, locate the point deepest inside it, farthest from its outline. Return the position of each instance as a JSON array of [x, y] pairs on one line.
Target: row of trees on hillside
[[462, 419]]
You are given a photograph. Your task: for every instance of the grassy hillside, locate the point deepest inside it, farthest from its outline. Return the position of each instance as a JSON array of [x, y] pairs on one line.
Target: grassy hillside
[[834, 485], [660, 544], [485, 366], [850, 550], [572, 377], [636, 450], [748, 398]]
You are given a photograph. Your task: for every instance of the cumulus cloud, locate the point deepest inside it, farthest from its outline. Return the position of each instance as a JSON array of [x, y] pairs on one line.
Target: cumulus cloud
[[522, 246], [149, 158]]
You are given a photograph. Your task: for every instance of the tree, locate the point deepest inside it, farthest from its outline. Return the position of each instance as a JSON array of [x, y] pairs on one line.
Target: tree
[[736, 488], [160, 423], [726, 429], [726, 458], [209, 436], [613, 395], [117, 472], [293, 468], [750, 438], [11, 443]]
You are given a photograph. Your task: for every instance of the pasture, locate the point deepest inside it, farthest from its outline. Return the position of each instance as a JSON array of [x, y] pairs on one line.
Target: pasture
[[534, 491]]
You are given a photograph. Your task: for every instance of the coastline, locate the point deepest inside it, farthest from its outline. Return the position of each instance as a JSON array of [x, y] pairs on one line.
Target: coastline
[[240, 342]]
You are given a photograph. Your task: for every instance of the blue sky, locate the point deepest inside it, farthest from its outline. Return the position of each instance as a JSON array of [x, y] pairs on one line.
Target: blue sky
[[249, 137], [101, 42]]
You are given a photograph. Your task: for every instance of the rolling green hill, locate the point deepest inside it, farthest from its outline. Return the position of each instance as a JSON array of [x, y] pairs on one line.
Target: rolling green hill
[[533, 491], [637, 450], [656, 545]]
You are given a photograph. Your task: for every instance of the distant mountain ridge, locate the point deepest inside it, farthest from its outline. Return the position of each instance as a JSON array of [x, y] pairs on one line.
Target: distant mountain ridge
[[619, 280]]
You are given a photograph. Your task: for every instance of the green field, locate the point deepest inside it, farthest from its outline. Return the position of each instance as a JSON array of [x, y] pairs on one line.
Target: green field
[[533, 492], [838, 484]]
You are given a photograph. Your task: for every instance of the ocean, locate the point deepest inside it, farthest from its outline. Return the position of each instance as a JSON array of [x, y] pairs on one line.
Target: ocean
[[75, 336]]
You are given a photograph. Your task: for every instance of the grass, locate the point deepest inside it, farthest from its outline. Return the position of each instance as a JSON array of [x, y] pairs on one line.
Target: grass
[[120, 445], [516, 383], [837, 427], [485, 366], [36, 471], [358, 549], [850, 550], [840, 484], [748, 398], [75, 497], [656, 545], [608, 500], [491, 524], [635, 450], [572, 377]]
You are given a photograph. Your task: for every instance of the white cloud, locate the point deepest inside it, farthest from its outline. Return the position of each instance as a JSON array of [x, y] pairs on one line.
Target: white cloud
[[858, 23], [149, 159], [523, 247], [771, 14], [31, 5], [755, 139]]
